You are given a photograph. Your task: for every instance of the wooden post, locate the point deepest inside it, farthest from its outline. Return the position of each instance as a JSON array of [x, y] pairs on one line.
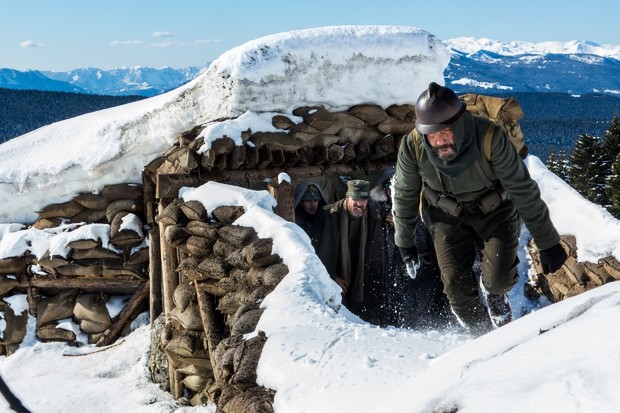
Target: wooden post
[[283, 193], [170, 280], [155, 278], [214, 332]]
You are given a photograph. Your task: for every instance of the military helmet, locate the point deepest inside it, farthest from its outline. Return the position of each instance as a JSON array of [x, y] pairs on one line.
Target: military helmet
[[437, 108], [312, 193]]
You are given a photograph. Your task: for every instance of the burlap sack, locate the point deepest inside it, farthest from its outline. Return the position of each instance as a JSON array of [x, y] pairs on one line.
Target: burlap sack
[[92, 313], [57, 307]]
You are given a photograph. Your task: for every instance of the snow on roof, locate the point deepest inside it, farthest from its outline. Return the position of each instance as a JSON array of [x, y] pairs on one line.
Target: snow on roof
[[337, 66]]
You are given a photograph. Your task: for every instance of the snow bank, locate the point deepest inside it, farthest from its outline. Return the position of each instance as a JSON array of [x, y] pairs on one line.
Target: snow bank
[[333, 66]]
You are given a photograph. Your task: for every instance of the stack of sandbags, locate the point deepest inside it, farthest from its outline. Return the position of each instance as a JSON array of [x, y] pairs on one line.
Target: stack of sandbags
[[224, 271], [88, 311], [574, 277], [364, 132]]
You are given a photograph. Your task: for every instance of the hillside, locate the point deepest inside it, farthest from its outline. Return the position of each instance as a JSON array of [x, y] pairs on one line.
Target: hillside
[[552, 120], [22, 111]]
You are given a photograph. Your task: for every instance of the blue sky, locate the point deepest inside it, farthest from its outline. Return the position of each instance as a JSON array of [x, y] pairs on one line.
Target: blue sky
[[69, 34]]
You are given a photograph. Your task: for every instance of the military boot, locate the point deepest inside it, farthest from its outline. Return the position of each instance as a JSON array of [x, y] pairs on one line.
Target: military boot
[[499, 308]]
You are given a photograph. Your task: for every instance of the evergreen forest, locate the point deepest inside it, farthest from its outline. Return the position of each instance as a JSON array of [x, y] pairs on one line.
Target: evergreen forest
[[22, 111]]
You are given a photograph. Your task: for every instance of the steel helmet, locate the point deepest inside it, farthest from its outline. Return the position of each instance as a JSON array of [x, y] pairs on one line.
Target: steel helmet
[[437, 108]]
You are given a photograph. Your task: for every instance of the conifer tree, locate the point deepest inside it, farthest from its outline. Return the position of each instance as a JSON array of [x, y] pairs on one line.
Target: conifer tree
[[611, 146], [563, 165], [587, 170], [552, 162], [557, 163], [614, 186]]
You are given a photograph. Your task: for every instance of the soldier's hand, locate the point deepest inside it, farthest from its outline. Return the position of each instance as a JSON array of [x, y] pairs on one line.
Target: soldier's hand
[[411, 260], [552, 258], [343, 284]]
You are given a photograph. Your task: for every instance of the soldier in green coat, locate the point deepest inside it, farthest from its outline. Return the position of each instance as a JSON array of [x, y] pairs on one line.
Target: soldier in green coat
[[473, 205]]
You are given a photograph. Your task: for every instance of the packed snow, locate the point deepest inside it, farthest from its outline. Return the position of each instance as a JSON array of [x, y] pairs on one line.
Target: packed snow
[[318, 356]]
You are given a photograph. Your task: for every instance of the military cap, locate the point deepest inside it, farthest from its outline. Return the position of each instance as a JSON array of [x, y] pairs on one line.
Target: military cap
[[312, 193], [358, 189]]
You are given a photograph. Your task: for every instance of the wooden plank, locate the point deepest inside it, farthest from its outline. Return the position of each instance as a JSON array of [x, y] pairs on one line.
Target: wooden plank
[[283, 193], [214, 330], [124, 316], [155, 277], [168, 185], [116, 285]]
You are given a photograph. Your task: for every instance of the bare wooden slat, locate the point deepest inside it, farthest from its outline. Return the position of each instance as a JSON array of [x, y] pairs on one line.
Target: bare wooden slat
[[283, 193], [124, 316], [168, 185], [117, 285], [155, 277]]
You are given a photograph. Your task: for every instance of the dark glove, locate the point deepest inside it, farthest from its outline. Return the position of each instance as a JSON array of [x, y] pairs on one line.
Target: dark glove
[[411, 260], [552, 258]]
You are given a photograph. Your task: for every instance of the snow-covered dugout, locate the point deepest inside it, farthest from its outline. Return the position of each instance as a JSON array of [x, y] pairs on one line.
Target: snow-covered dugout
[[339, 66], [313, 353]]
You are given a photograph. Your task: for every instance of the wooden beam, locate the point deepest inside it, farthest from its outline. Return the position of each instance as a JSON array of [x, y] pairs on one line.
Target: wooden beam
[[124, 316], [116, 285], [155, 277]]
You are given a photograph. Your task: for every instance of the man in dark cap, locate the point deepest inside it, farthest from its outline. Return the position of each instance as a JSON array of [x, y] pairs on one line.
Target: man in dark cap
[[473, 205], [349, 244], [309, 201]]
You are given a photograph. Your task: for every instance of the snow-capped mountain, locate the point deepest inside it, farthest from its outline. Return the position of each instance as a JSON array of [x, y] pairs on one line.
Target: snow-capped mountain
[[136, 80], [477, 65], [33, 79], [488, 66]]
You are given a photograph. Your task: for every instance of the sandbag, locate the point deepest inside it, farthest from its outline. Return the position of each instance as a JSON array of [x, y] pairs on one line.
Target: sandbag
[[57, 307], [92, 313]]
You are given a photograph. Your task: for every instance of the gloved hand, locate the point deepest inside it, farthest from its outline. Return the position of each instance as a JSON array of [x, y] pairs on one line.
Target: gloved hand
[[552, 258], [411, 260]]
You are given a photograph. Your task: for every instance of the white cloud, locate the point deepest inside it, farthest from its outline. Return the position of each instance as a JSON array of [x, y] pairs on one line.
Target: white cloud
[[124, 42], [184, 44], [164, 44], [162, 34], [208, 41], [30, 43]]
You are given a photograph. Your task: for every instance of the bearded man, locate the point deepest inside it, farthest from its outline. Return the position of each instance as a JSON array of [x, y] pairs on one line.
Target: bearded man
[[351, 248], [473, 205]]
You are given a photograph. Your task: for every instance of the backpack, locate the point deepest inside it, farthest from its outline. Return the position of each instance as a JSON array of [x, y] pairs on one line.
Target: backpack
[[502, 112], [505, 112]]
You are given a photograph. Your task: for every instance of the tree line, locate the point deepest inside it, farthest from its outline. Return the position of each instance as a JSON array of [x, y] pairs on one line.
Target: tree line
[[593, 167], [22, 111]]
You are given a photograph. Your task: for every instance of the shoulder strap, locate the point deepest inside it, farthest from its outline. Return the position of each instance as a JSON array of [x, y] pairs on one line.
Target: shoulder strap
[[492, 130], [415, 137]]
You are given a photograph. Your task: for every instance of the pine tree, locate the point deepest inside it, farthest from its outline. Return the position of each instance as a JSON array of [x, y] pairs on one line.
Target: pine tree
[[563, 165], [611, 147], [587, 170], [614, 186], [552, 162]]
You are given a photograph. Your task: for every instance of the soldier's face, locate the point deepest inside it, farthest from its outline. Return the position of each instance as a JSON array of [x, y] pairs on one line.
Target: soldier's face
[[310, 206], [356, 207], [443, 144]]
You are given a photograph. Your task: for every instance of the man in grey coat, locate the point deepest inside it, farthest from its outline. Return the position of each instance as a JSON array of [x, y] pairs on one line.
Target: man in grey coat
[[473, 205], [349, 244]]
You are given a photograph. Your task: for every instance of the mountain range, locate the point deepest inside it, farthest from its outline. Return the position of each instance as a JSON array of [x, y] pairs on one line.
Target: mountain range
[[477, 65], [125, 81]]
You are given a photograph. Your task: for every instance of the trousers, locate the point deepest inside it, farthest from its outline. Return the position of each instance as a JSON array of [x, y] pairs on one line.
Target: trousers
[[459, 250]]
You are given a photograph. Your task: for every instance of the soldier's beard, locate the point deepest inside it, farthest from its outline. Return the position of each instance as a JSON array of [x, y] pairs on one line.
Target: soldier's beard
[[445, 152]]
